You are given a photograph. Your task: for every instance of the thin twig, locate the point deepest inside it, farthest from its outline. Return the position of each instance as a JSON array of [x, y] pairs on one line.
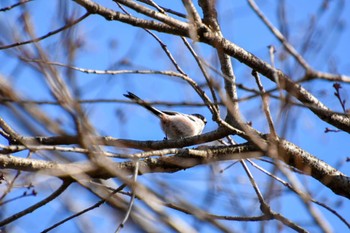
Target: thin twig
[[10, 133], [68, 25], [317, 216], [12, 182], [15, 5], [25, 194], [221, 217], [290, 187], [185, 77], [163, 9], [337, 94], [265, 208], [108, 72], [36, 206], [212, 107], [266, 108], [150, 13], [279, 36], [132, 199], [98, 204]]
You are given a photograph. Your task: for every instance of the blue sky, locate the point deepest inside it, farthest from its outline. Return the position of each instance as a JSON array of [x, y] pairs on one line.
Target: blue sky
[[106, 44]]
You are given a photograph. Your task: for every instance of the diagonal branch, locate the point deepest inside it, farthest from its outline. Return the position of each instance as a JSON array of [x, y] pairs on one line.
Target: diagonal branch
[[69, 25], [94, 8], [153, 14], [36, 206], [341, 121]]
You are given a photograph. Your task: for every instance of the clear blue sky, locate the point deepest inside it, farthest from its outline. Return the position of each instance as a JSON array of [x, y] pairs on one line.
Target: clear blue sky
[[105, 43]]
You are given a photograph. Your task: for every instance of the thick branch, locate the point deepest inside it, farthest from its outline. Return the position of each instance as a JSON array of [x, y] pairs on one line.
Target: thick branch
[[188, 158], [294, 156], [94, 8], [289, 153], [340, 121]]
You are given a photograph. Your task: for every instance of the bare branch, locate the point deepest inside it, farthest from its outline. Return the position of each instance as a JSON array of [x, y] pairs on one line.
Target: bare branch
[[289, 153], [36, 206], [15, 5], [98, 204], [265, 208], [109, 14], [68, 25]]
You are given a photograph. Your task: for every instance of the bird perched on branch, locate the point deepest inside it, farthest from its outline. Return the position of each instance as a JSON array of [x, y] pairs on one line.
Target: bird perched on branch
[[174, 124]]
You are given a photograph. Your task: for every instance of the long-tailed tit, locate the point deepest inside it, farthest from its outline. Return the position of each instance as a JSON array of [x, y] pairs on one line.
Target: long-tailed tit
[[174, 124]]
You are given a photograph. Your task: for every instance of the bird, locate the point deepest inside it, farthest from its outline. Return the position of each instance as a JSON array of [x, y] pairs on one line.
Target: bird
[[175, 125]]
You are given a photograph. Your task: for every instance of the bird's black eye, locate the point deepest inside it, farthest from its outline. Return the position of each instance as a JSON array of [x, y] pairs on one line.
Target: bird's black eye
[[200, 117]]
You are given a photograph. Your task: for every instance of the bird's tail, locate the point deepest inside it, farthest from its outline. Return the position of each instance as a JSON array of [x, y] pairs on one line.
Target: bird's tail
[[143, 103]]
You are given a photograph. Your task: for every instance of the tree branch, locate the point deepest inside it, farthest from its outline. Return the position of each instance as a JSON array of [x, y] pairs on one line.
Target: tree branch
[[94, 8], [288, 152], [125, 143], [36, 206], [341, 121]]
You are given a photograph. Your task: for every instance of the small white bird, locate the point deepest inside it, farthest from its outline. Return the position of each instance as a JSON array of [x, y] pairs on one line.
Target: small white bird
[[174, 124]]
